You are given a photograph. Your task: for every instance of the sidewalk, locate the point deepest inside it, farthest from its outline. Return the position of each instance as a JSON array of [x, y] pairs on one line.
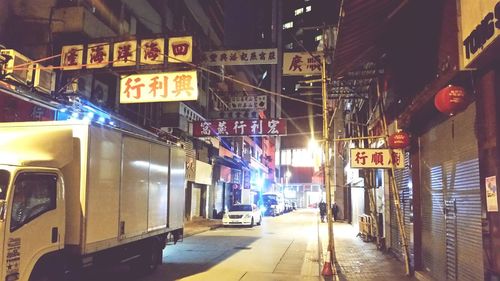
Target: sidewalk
[[199, 225], [358, 260]]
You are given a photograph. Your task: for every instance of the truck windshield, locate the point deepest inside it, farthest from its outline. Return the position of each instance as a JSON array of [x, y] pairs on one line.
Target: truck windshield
[[269, 199], [4, 182]]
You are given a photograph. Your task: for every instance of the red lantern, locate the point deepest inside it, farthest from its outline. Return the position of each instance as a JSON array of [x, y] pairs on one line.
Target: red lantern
[[450, 100], [399, 140]]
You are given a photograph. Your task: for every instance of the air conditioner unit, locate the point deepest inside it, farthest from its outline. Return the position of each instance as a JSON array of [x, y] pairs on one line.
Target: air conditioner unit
[[25, 72], [100, 93], [44, 80]]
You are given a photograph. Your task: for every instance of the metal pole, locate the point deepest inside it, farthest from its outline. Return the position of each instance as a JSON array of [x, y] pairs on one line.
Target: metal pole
[[326, 148], [394, 187]]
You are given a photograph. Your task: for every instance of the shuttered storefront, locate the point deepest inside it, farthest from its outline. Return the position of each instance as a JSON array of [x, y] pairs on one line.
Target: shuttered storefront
[[451, 203], [403, 180]]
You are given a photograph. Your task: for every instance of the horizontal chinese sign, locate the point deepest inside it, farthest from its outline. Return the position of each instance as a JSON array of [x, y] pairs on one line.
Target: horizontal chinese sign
[[159, 87], [248, 102], [126, 53], [241, 57], [301, 64], [239, 127], [377, 158]]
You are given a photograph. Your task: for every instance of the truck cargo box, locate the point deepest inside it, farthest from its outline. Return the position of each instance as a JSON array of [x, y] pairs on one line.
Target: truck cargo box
[[120, 187]]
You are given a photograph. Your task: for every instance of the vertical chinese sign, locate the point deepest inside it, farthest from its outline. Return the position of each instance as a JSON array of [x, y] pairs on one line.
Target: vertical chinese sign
[[377, 158], [159, 87], [301, 64], [260, 127], [152, 51], [180, 49], [72, 57]]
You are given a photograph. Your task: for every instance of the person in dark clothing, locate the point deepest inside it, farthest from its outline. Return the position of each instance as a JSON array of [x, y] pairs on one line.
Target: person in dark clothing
[[335, 211], [322, 210]]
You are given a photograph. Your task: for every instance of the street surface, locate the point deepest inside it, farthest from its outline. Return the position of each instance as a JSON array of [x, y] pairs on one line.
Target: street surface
[[290, 247], [282, 248]]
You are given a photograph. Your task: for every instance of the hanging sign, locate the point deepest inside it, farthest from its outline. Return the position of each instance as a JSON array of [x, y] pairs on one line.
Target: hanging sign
[[98, 55], [72, 57], [491, 194], [152, 51], [159, 87], [180, 49], [479, 27], [377, 158], [301, 64], [124, 53], [261, 127], [240, 57], [248, 102]]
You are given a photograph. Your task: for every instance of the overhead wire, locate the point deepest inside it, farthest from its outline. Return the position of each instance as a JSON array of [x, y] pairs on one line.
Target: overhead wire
[[196, 66]]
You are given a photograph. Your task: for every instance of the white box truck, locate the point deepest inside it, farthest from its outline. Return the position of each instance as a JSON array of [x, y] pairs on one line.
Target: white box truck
[[74, 195]]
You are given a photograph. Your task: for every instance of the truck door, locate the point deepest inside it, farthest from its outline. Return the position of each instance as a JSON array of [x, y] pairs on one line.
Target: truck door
[[35, 222]]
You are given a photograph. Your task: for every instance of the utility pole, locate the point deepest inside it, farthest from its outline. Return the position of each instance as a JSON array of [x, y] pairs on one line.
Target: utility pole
[[326, 149]]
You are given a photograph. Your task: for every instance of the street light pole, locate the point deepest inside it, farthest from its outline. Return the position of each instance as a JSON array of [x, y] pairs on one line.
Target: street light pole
[[326, 149]]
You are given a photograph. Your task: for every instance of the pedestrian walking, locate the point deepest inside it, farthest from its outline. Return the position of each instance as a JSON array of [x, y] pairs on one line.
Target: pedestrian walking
[[322, 210]]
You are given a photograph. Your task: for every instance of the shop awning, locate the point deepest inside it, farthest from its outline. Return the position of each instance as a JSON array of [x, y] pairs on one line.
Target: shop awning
[[361, 31]]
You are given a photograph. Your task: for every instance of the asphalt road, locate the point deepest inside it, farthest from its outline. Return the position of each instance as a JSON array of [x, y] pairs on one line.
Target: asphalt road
[[282, 248]]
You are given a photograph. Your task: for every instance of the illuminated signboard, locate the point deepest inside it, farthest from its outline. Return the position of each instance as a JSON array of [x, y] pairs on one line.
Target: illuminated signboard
[[159, 87], [377, 158], [260, 127]]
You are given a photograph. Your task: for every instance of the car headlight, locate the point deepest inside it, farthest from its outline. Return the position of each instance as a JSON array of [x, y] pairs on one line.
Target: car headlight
[[247, 216], [226, 215]]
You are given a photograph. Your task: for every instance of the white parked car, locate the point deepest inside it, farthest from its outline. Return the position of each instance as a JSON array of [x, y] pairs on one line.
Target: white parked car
[[242, 214]]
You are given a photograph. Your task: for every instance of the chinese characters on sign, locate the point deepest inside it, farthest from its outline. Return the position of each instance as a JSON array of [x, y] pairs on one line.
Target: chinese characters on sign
[[98, 55], [239, 127], [180, 49], [124, 53], [159, 87], [72, 57], [377, 158], [301, 64], [241, 57], [248, 102], [152, 51]]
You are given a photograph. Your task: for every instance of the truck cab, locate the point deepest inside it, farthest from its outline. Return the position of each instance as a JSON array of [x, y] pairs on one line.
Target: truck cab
[[31, 220]]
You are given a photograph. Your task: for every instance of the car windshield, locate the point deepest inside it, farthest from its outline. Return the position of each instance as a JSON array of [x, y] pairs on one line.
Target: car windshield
[[237, 208], [4, 182]]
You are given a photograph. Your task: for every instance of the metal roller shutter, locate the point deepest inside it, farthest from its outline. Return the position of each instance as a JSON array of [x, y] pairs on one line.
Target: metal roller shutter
[[406, 198], [451, 203]]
